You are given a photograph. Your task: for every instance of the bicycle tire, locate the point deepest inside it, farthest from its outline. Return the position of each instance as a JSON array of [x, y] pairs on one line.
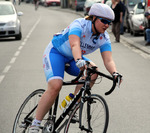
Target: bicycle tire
[[30, 102], [99, 116]]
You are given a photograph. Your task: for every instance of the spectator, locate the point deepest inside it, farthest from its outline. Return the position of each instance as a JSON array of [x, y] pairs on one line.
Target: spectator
[[19, 2], [118, 19], [146, 27], [36, 2], [14, 2], [123, 9]]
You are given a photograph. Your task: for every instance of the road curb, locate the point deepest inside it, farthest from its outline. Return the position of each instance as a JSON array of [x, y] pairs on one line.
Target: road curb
[[137, 45], [132, 43]]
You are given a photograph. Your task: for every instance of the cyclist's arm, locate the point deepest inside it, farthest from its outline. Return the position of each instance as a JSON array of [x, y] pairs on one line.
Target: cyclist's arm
[[75, 31], [74, 41], [108, 61]]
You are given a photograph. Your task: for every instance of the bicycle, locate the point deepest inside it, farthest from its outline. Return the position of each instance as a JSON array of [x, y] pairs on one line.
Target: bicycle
[[92, 110]]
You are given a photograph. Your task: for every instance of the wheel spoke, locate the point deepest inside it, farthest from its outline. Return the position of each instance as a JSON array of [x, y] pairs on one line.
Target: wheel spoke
[[99, 117]]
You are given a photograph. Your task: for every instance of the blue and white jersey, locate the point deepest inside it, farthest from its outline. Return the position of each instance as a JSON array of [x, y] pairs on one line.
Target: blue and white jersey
[[88, 42]]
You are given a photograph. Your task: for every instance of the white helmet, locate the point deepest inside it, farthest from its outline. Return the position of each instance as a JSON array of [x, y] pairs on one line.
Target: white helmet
[[102, 10]]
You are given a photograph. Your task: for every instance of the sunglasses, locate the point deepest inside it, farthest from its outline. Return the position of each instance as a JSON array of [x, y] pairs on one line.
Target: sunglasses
[[104, 21]]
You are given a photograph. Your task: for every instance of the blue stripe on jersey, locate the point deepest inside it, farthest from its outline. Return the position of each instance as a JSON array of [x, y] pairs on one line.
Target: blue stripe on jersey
[[58, 40], [75, 31], [105, 47]]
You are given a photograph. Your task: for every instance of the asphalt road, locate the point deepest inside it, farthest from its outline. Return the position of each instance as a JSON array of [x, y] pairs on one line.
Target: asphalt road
[[21, 72]]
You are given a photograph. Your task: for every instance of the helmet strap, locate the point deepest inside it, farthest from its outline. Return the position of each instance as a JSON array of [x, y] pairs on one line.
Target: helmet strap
[[93, 22]]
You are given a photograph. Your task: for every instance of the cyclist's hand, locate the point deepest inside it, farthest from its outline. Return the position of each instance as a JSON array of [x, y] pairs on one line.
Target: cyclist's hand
[[80, 63], [118, 77]]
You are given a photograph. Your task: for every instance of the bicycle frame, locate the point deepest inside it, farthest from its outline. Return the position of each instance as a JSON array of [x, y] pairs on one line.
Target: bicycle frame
[[81, 94], [65, 112], [68, 108]]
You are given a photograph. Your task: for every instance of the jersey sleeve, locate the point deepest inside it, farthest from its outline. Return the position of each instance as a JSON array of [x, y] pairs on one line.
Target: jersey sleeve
[[106, 45], [75, 28]]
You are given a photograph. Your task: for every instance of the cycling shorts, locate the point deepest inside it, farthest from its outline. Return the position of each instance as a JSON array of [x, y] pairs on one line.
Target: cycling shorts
[[54, 64]]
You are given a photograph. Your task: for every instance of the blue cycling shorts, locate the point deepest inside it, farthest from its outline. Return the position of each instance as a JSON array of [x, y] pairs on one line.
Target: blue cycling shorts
[[54, 64]]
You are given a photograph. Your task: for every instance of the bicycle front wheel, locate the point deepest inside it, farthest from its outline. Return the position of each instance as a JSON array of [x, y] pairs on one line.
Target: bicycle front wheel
[[94, 116], [26, 112]]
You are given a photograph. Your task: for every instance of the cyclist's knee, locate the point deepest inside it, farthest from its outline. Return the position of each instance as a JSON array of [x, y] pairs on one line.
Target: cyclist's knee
[[94, 77], [55, 85]]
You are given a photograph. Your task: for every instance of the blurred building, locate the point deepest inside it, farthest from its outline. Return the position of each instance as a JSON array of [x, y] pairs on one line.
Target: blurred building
[[66, 3]]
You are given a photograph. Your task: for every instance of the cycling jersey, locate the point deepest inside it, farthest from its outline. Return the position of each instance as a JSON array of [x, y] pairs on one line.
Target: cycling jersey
[[88, 42], [54, 64], [58, 52]]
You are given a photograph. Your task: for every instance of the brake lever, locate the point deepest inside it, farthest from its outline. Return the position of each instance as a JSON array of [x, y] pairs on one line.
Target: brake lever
[[118, 83]]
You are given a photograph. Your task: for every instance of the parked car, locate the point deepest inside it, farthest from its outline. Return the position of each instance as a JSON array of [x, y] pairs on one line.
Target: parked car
[[29, 1], [129, 7], [10, 25], [136, 18], [51, 3], [41, 2], [77, 5], [88, 4]]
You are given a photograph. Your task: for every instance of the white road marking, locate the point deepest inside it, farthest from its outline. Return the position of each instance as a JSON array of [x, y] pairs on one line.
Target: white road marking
[[7, 68], [12, 60], [25, 39], [20, 47], [23, 43], [1, 78], [17, 53]]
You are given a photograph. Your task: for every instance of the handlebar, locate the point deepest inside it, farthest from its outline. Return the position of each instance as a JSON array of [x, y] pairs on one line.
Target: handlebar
[[78, 77], [93, 70], [112, 88], [106, 76]]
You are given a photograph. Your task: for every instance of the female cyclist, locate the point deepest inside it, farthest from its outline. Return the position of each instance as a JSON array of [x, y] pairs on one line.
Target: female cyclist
[[83, 36]]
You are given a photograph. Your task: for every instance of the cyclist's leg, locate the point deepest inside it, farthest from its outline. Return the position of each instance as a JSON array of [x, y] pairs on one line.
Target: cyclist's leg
[[48, 98], [53, 63]]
